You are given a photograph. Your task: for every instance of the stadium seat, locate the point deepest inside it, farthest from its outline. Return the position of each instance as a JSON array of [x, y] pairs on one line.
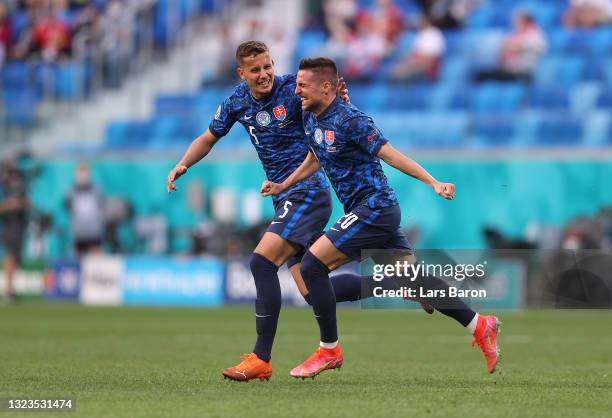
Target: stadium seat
[[406, 97], [20, 106], [497, 97], [493, 130], [15, 75], [548, 97], [559, 130], [605, 98], [560, 69], [455, 70], [583, 97], [597, 128]]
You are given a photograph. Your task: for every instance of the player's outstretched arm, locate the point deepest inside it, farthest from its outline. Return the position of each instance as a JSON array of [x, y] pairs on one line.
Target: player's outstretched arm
[[408, 166], [305, 170], [199, 148]]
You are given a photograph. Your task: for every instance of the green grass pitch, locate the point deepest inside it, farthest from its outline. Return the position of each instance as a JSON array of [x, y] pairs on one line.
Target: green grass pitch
[[141, 362]]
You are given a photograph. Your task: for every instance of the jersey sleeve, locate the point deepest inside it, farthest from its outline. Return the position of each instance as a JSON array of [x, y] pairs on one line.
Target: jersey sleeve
[[365, 134], [224, 119]]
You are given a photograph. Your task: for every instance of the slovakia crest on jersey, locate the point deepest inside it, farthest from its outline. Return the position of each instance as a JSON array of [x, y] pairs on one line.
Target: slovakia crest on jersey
[[280, 113], [329, 137]]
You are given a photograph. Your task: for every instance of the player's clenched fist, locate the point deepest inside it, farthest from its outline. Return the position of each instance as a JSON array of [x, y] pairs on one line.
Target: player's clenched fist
[[269, 188], [174, 175], [446, 190]]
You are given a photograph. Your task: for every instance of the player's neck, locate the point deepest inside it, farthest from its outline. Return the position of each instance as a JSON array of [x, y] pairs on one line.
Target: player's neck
[[324, 105]]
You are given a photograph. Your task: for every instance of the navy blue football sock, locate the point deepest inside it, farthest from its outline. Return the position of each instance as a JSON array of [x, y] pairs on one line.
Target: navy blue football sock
[[347, 286], [321, 292], [267, 304], [449, 306]]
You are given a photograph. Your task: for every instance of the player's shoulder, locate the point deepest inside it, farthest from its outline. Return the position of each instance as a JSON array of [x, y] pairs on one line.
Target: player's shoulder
[[286, 79], [241, 92], [350, 116]]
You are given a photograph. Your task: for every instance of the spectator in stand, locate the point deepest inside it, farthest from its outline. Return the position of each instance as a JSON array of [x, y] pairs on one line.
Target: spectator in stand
[[6, 33], [117, 27], [85, 203], [425, 56], [365, 49], [339, 19], [588, 13], [449, 14], [388, 20], [520, 53], [52, 36]]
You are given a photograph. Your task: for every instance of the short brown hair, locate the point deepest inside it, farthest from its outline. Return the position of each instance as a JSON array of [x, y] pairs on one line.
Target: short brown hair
[[324, 67], [250, 49]]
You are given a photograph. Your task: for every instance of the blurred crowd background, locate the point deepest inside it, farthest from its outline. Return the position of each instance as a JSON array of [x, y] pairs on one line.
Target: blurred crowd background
[[510, 99]]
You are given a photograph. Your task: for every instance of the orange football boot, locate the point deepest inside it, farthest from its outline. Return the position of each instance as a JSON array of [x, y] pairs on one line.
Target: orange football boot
[[322, 359], [485, 336], [251, 367]]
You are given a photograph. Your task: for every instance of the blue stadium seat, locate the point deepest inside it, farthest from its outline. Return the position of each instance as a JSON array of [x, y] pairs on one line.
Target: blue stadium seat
[[559, 130], [21, 106], [597, 128], [549, 97], [70, 80], [455, 70], [15, 75], [407, 97], [176, 104], [601, 42], [128, 134], [497, 97], [423, 129], [494, 130], [605, 98], [560, 69]]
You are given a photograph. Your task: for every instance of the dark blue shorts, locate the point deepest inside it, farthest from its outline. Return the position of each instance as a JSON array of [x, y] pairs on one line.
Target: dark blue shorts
[[301, 218], [366, 228]]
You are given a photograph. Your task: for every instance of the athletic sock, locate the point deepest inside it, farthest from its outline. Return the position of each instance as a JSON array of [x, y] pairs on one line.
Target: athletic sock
[[471, 327], [449, 306], [267, 304], [329, 346], [321, 293], [347, 286]]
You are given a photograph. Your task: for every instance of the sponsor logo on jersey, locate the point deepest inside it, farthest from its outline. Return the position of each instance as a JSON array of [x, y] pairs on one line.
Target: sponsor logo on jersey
[[263, 118], [329, 137], [318, 136], [280, 113], [218, 113]]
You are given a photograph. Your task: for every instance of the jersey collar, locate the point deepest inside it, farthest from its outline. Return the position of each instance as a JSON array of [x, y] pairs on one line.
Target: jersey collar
[[330, 108]]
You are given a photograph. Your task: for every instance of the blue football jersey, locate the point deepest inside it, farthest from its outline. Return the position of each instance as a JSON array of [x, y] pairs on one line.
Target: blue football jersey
[[276, 130], [346, 141]]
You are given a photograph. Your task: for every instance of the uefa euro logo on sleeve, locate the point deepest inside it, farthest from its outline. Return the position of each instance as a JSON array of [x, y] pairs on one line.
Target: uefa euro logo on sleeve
[[263, 118], [280, 113], [318, 136]]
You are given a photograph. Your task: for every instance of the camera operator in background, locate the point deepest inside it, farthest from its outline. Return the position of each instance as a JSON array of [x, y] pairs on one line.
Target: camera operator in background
[[86, 205], [14, 207]]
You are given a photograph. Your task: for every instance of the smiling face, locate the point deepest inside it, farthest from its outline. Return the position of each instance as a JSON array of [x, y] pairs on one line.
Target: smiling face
[[258, 72], [316, 93]]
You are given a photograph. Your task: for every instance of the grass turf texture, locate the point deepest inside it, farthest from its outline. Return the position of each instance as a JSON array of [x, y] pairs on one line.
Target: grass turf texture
[[167, 362]]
